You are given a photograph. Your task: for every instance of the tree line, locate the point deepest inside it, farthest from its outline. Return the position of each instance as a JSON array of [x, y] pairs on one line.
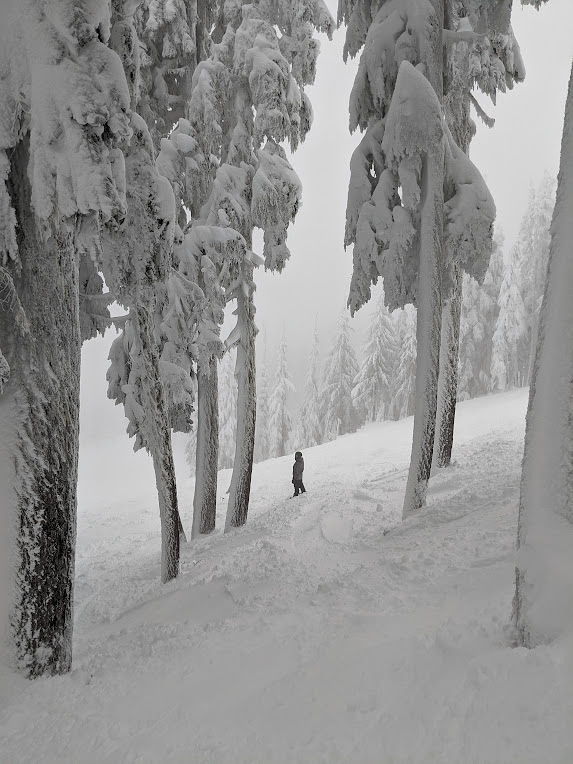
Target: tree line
[[498, 331]]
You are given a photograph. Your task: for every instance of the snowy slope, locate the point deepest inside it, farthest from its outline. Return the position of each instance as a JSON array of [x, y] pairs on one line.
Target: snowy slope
[[310, 635]]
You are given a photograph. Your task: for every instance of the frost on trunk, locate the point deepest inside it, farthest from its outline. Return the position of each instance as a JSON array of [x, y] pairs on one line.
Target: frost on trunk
[[63, 111], [448, 380], [160, 441], [245, 374], [39, 422], [134, 262], [207, 454], [429, 318], [543, 605], [414, 145], [134, 380]]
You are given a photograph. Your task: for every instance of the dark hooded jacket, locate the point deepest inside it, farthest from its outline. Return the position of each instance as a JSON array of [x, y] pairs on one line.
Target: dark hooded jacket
[[298, 468]]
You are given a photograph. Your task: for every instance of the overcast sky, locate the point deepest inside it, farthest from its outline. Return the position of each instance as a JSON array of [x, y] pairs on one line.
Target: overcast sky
[[513, 155]]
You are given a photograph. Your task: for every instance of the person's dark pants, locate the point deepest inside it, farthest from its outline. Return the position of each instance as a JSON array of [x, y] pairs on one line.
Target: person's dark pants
[[298, 486]]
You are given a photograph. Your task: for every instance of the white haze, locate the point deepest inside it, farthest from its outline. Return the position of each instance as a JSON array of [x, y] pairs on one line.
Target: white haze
[[512, 157]]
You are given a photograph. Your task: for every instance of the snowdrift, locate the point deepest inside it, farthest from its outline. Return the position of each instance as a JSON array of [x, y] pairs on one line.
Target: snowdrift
[[323, 631]]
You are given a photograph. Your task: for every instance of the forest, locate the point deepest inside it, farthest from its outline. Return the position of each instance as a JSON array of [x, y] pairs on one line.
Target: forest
[[147, 176]]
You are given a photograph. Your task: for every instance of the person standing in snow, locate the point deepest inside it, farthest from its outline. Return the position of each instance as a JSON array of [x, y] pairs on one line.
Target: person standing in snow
[[297, 470]]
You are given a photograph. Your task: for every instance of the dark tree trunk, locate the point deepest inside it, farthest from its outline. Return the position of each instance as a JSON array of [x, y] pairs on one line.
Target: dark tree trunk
[[39, 422], [428, 335], [448, 382], [207, 457], [429, 302], [240, 489], [160, 445]]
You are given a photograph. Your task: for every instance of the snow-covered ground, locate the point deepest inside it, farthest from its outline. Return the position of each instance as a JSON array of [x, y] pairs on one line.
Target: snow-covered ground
[[311, 635]]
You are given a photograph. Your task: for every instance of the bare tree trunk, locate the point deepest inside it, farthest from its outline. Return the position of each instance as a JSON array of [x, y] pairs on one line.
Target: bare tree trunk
[[205, 498], [240, 489], [160, 445], [39, 422], [429, 319], [448, 381]]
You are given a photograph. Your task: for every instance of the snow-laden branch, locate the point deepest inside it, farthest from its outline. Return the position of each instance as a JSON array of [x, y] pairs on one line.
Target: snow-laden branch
[[486, 119], [469, 214]]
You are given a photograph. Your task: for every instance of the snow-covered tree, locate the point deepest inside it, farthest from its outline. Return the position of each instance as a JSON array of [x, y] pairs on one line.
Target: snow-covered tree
[[309, 431], [404, 373], [227, 410], [247, 97], [64, 112], [338, 412], [489, 61], [480, 309], [373, 383], [280, 419], [473, 379], [543, 606], [532, 253], [136, 264], [262, 431], [417, 206], [510, 331], [175, 37]]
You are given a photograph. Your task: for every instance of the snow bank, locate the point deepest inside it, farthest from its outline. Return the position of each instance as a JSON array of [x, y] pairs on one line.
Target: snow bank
[[321, 631]]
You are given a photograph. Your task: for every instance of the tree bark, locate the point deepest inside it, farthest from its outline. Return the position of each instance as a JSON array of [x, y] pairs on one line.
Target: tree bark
[[429, 319], [207, 457], [240, 489], [429, 297], [160, 446], [448, 380], [39, 422]]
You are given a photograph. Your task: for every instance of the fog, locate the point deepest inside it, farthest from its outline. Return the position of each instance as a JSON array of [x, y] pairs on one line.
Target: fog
[[512, 156]]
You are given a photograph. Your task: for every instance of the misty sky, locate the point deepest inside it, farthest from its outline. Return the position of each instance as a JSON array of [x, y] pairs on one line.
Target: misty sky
[[513, 155]]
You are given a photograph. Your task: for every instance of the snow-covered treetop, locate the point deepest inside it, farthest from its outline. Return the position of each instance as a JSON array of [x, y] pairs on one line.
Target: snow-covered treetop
[[494, 54], [139, 254], [175, 35], [61, 84], [225, 161], [395, 99]]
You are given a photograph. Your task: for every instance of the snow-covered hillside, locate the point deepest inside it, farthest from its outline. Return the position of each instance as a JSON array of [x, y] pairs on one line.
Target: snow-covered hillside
[[323, 631]]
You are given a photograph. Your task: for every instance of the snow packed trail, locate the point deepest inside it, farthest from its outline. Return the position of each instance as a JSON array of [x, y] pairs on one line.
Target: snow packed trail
[[325, 630]]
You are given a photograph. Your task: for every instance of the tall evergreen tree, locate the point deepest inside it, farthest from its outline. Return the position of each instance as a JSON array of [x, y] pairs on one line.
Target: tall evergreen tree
[[340, 369], [247, 97], [262, 431], [404, 373], [532, 253], [543, 607], [473, 379], [510, 331], [280, 420], [480, 309], [373, 382], [227, 410], [416, 204], [145, 243], [489, 61], [310, 428], [64, 113]]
